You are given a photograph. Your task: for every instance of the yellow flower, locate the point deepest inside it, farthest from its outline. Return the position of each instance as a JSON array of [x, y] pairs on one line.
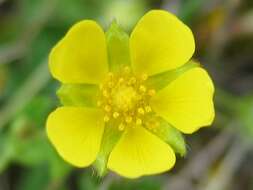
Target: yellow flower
[[125, 98]]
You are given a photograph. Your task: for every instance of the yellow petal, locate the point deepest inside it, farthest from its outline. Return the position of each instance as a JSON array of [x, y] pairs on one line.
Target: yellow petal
[[160, 42], [187, 102], [76, 133], [139, 152], [80, 57]]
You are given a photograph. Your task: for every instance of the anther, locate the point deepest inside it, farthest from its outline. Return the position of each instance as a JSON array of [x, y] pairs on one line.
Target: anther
[[115, 115], [129, 119], [121, 127], [151, 92], [106, 118], [105, 93], [148, 109], [99, 103], [144, 77], [110, 75], [141, 111], [127, 70], [138, 121], [132, 80], [109, 101], [121, 80], [142, 88], [107, 108], [110, 84]]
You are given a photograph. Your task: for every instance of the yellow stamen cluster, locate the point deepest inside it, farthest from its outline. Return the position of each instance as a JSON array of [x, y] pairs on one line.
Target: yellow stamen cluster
[[125, 98]]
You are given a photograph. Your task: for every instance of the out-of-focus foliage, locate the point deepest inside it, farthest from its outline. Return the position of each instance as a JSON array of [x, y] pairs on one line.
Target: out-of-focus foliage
[[223, 31]]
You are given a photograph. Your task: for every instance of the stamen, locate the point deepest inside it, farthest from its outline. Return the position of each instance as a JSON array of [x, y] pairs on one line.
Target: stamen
[[110, 75], [138, 121], [127, 70], [132, 81], [141, 111], [144, 77], [107, 108], [129, 119], [115, 115], [110, 84], [142, 88], [125, 98], [148, 109], [121, 80], [109, 101], [99, 103], [105, 93], [121, 127], [106, 118], [151, 92]]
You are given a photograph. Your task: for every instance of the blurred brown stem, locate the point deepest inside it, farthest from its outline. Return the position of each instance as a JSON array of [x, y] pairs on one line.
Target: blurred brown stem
[[228, 167], [200, 163]]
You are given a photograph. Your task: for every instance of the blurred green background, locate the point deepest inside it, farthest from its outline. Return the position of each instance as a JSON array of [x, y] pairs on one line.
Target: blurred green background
[[218, 158]]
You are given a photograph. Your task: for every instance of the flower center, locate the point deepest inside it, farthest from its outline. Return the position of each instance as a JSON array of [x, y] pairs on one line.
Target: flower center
[[125, 98]]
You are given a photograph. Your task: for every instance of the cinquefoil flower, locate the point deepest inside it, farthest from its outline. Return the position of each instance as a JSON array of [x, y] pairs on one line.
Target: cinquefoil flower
[[125, 99]]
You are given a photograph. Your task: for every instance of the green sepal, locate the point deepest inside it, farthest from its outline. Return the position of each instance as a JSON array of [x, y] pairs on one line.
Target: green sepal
[[78, 94], [109, 140], [172, 136], [161, 80], [117, 47]]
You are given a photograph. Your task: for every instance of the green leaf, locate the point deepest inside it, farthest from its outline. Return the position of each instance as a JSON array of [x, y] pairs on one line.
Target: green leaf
[[161, 80], [34, 178], [110, 138], [190, 10], [68, 12], [36, 111], [32, 148], [171, 136], [29, 10], [31, 151], [6, 150], [28, 142], [118, 47], [78, 94]]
